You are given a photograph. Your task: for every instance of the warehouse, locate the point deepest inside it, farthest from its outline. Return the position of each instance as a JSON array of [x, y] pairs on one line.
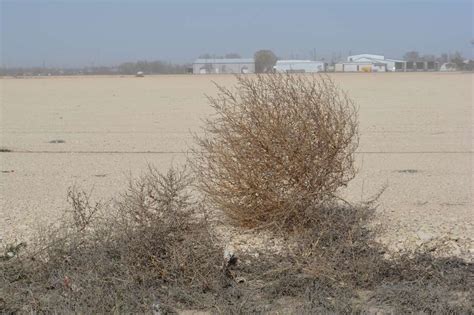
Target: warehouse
[[390, 64], [422, 66], [224, 65], [362, 66], [299, 66]]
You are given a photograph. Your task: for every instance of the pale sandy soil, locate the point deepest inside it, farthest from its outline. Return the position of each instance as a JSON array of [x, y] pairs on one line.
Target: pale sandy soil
[[417, 139]]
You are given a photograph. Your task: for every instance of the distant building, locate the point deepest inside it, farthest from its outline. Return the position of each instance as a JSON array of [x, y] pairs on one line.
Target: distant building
[[365, 57], [299, 66], [360, 66], [448, 66], [376, 62], [224, 65]]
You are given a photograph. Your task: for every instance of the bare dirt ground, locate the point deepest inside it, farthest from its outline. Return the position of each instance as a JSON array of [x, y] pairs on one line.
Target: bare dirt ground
[[416, 139]]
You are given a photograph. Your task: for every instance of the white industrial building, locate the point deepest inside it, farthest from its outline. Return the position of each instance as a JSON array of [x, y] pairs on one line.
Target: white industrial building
[[362, 66], [370, 63], [448, 66], [299, 66], [224, 65]]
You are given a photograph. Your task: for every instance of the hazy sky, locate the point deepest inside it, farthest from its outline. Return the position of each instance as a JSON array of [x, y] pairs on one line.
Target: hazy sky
[[79, 33]]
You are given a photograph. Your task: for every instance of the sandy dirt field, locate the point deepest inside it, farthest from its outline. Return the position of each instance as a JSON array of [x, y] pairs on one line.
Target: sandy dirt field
[[416, 139]]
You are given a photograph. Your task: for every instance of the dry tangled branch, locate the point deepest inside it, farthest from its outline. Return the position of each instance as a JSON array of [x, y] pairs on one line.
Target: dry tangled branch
[[278, 145], [150, 250]]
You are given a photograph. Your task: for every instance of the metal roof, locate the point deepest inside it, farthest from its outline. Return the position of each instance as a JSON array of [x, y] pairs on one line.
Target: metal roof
[[224, 60], [370, 56], [395, 60], [374, 58], [296, 61], [385, 60], [374, 62]]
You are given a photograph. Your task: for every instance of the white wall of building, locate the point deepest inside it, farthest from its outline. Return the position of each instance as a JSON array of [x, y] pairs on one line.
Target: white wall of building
[[349, 67], [390, 63], [360, 67], [379, 67], [216, 66], [339, 67], [299, 66]]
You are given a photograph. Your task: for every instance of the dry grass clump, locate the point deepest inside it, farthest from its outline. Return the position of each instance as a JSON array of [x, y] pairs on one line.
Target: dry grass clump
[[278, 146], [152, 250], [337, 266], [358, 274]]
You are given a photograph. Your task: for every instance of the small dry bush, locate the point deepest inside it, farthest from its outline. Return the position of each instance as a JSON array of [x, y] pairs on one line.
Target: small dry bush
[[278, 146], [150, 251], [163, 258]]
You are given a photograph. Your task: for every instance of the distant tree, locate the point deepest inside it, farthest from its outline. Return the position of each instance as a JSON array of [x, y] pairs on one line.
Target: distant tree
[[411, 56], [428, 58], [233, 56], [457, 59], [469, 66], [143, 66], [443, 58], [334, 59], [151, 67], [205, 56], [313, 55], [128, 68], [264, 61]]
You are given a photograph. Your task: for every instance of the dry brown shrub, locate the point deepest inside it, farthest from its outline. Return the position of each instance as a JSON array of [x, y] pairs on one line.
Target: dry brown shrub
[[150, 251], [336, 266], [153, 253], [278, 145]]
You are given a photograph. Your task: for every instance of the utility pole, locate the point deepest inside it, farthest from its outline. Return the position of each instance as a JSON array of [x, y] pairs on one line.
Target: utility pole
[[313, 54]]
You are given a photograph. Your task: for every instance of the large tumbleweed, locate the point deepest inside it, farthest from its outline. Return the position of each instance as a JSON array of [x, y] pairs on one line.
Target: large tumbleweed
[[278, 145]]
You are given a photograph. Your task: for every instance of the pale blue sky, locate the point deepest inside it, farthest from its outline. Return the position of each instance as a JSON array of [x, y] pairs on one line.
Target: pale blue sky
[[78, 33]]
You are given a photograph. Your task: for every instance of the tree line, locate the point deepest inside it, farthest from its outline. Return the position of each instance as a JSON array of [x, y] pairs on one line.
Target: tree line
[[265, 60], [126, 68], [455, 58]]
